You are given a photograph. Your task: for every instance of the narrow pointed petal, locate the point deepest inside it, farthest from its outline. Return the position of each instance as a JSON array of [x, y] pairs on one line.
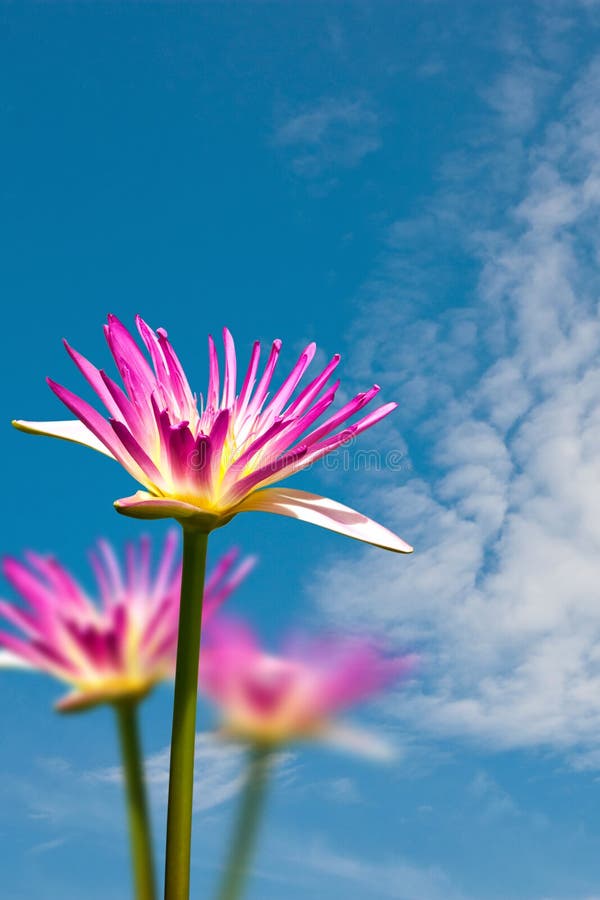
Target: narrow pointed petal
[[250, 379], [137, 375], [348, 410], [289, 385], [96, 424], [323, 512], [137, 453], [229, 384], [260, 394], [165, 569], [94, 378], [150, 339], [312, 390], [212, 394], [187, 400], [71, 430]]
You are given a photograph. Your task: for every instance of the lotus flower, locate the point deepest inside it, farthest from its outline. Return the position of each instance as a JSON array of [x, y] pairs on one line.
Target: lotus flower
[[118, 647], [202, 463], [266, 700]]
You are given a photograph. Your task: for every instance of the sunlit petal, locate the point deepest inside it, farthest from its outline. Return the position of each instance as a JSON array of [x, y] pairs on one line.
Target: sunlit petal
[[69, 430], [324, 512]]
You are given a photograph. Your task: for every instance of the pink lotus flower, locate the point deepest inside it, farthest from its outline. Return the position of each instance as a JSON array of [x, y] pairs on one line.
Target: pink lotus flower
[[265, 699], [203, 464], [119, 647]]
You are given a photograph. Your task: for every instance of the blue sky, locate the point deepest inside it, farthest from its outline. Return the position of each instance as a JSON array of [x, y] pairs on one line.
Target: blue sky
[[417, 186]]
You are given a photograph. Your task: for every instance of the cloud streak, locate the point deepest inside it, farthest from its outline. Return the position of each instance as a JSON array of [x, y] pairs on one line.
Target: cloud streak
[[331, 135], [501, 413], [395, 879]]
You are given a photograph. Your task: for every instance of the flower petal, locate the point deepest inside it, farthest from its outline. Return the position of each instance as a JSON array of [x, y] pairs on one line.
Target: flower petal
[[79, 701], [70, 430], [143, 505], [10, 660], [324, 512]]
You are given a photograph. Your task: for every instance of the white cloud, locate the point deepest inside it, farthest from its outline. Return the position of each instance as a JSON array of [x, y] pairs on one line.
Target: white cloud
[[333, 134], [497, 803], [503, 590], [392, 878], [218, 773], [46, 846], [516, 95], [342, 790], [61, 795]]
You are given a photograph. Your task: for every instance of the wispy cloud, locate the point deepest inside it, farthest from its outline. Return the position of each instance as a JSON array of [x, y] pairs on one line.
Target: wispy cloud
[[46, 846], [331, 135], [392, 878], [219, 773], [59, 795], [503, 392], [516, 94], [496, 802]]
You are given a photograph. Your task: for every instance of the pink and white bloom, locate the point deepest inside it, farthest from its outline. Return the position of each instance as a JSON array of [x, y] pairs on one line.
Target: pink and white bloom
[[268, 700], [118, 645], [203, 462]]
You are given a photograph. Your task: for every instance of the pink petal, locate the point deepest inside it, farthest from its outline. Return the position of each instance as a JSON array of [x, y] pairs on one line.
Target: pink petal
[[137, 375], [229, 383], [258, 399], [348, 410], [312, 390], [250, 379], [97, 425], [212, 394], [166, 562], [289, 385], [181, 387], [94, 378], [136, 452]]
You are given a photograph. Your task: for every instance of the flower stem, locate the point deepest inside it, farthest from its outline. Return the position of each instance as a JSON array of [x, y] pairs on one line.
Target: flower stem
[[183, 739], [245, 833], [137, 806]]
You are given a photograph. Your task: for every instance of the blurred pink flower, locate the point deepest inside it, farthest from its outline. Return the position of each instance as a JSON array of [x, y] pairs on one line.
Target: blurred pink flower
[[119, 646], [204, 463], [265, 699]]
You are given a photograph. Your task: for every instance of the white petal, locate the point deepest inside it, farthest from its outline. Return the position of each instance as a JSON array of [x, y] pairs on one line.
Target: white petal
[[70, 430], [324, 512], [10, 660]]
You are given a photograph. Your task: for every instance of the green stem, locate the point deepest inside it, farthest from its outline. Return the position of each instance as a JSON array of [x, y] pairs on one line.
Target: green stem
[[137, 806], [245, 832], [183, 738]]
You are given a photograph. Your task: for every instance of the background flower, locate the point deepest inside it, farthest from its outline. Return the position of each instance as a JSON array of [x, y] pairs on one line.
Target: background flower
[[269, 699], [118, 644]]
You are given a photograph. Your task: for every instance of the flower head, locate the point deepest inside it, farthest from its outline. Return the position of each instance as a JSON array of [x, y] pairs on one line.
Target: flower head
[[204, 462], [118, 646], [268, 699]]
